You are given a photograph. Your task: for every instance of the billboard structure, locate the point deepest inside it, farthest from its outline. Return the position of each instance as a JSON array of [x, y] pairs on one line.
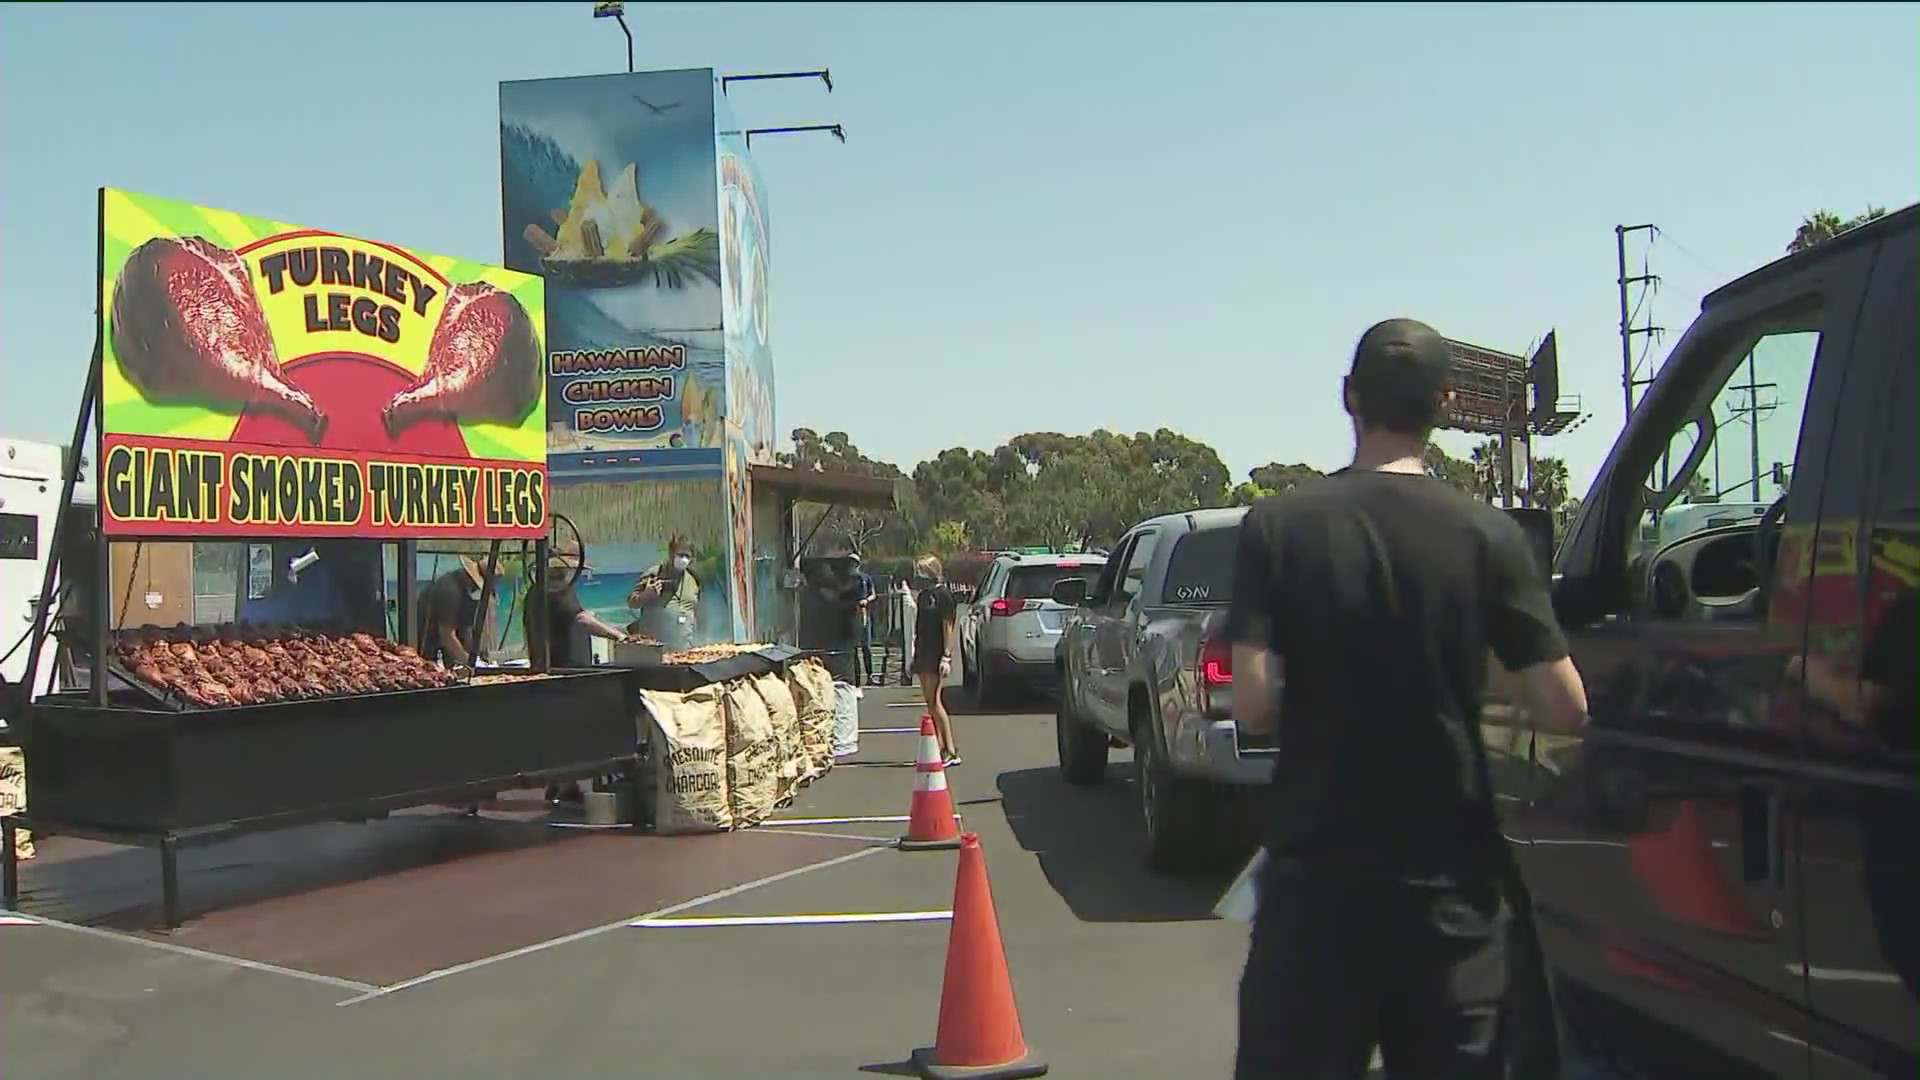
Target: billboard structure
[[1490, 391], [1490, 397], [263, 379]]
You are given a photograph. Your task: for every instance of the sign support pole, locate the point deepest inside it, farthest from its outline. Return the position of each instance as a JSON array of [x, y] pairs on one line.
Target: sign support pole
[[70, 477]]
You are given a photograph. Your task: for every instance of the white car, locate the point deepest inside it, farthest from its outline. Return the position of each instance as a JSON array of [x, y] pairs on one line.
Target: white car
[[1008, 633]]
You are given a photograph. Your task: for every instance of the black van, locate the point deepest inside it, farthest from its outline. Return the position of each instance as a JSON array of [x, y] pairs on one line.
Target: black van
[[1724, 869]]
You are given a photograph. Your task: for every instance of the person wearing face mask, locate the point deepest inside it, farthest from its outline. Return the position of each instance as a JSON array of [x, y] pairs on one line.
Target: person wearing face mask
[[933, 647], [668, 596], [447, 610]]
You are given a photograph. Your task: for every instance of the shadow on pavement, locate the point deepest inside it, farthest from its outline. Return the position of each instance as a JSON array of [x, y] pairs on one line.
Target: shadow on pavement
[[1090, 848], [962, 702]]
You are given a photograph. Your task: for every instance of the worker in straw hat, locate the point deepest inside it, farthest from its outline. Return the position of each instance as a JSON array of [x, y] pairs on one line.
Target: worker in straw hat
[[448, 608]]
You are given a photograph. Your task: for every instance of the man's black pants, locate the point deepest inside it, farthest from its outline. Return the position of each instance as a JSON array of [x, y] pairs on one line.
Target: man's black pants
[[1340, 963]]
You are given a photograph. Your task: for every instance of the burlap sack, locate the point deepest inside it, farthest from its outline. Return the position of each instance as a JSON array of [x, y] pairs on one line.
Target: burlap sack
[[794, 766], [13, 796], [753, 764], [689, 750], [812, 687]]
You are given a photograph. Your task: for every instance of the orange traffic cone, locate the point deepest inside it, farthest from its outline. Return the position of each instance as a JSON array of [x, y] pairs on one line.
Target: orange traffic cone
[[979, 1036], [930, 823], [1679, 869]]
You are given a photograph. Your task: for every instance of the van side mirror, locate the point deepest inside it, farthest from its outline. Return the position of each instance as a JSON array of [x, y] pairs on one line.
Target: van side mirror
[[1537, 524], [1070, 591]]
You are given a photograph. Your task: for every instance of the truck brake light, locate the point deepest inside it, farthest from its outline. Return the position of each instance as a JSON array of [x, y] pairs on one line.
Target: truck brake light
[[1216, 662]]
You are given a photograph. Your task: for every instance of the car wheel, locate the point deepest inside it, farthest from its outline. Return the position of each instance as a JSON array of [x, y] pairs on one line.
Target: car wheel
[[1082, 748], [1181, 817], [968, 678], [986, 688]]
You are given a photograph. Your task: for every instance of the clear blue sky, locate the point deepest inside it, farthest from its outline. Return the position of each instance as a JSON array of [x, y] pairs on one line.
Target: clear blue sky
[[1045, 217]]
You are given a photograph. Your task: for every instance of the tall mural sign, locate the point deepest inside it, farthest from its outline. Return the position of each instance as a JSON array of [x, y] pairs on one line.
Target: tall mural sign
[[610, 190]]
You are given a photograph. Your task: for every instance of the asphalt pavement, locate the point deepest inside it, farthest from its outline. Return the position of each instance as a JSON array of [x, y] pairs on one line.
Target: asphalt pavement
[[1118, 974]]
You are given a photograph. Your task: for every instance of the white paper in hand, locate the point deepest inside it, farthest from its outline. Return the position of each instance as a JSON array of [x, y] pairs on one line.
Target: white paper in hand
[[1241, 901]]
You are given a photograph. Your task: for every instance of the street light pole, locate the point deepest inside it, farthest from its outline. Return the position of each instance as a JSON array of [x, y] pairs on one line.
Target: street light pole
[[617, 11]]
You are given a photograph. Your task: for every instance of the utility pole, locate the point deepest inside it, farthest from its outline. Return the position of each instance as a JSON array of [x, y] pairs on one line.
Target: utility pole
[[1754, 410], [1647, 282]]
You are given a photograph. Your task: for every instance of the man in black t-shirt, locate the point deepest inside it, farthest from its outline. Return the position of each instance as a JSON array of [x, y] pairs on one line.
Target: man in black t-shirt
[[1381, 590], [447, 609], [569, 623]]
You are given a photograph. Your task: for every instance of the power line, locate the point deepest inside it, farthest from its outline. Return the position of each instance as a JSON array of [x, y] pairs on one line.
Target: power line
[[1717, 273]]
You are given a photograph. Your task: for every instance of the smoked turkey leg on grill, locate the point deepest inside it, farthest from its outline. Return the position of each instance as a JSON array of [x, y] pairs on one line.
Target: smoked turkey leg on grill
[[483, 364], [188, 328]]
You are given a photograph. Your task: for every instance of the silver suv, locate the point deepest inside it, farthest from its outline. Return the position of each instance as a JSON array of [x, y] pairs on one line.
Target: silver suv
[[1008, 633]]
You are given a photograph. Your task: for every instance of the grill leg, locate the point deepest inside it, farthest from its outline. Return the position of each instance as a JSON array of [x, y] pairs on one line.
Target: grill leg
[[170, 882]]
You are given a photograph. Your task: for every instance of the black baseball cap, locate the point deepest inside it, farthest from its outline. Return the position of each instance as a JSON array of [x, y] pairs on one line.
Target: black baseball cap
[[1402, 372]]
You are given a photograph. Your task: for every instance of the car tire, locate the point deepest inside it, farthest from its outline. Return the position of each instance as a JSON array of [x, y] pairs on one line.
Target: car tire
[[986, 688], [1183, 819], [1082, 748], [969, 679]]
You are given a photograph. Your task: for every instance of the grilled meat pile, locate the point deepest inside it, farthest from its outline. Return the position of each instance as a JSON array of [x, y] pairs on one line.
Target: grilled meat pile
[[238, 665], [707, 654]]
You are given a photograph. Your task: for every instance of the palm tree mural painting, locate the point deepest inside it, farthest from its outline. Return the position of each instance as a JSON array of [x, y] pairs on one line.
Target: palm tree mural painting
[[608, 237]]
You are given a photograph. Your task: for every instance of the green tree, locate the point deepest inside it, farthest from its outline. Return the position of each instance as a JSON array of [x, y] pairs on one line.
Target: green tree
[[1448, 469], [1279, 478], [861, 529], [1549, 487], [1486, 462], [1247, 494], [1823, 225], [947, 538]]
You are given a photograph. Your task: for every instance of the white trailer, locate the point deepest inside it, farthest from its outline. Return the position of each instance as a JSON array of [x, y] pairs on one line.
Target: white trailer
[[30, 479]]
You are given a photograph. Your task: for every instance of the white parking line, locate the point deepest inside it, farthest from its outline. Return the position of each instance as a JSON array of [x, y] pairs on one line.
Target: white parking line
[[889, 731], [529, 950], [888, 840], [796, 920], [218, 958], [22, 920], [864, 819]]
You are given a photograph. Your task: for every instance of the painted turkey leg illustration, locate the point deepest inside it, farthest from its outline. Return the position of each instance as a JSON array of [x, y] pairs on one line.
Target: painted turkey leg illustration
[[483, 364], [187, 328]]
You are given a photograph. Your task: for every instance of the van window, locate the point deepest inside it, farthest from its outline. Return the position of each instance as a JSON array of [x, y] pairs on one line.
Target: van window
[[1740, 443]]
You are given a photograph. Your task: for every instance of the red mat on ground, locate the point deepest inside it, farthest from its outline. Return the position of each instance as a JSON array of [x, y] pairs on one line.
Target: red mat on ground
[[392, 900]]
